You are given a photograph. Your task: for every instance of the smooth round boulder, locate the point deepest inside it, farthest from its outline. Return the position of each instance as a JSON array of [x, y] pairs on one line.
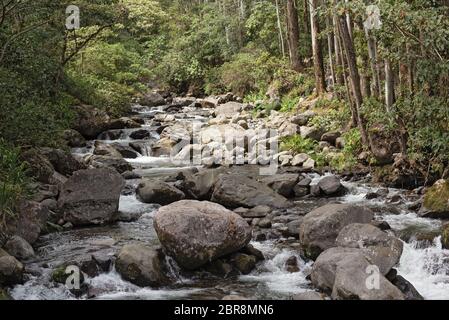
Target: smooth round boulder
[[19, 248], [196, 232], [320, 227], [158, 192], [141, 265], [11, 270], [330, 185]]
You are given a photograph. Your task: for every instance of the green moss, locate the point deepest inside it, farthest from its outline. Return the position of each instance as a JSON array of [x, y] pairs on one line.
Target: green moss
[[436, 198], [59, 275], [4, 295], [445, 236]]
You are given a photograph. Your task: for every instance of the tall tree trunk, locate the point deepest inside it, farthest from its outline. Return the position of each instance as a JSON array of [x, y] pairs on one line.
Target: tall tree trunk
[[339, 70], [293, 35], [281, 35], [330, 48], [353, 75], [372, 53], [318, 65], [389, 85]]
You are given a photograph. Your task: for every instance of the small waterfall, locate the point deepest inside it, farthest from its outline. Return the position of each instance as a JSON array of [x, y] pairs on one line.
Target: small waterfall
[[427, 269]]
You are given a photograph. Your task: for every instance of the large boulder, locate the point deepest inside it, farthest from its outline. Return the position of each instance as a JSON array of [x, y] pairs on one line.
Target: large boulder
[[312, 133], [141, 265], [106, 149], [118, 164], [228, 109], [152, 99], [199, 185], [19, 248], [282, 183], [39, 167], [345, 273], [380, 248], [436, 201], [29, 222], [91, 196], [352, 281], [321, 226], [62, 161], [331, 186], [233, 191], [158, 192], [11, 270], [89, 121], [74, 139], [195, 232]]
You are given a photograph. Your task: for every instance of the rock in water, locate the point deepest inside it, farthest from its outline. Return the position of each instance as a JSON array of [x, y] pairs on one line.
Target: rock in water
[[330, 185], [379, 247], [158, 192], [141, 265], [19, 248], [320, 227], [91, 196], [436, 201], [345, 273], [11, 270], [235, 191], [196, 232]]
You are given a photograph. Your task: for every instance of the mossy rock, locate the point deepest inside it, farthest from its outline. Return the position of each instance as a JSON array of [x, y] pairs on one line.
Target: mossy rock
[[4, 295], [59, 275], [436, 200], [445, 236]]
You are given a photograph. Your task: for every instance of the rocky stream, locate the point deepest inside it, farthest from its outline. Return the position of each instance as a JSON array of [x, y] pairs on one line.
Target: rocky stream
[[262, 234]]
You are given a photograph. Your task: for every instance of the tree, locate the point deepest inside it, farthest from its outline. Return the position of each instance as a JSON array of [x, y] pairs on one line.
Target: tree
[[318, 64], [293, 35]]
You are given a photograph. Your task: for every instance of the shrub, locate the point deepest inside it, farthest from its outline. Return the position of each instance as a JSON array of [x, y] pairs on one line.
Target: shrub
[[13, 181]]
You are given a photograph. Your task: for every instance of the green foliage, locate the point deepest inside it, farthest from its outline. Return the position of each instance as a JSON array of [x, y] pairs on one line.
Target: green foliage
[[13, 180], [333, 115], [289, 104], [298, 144]]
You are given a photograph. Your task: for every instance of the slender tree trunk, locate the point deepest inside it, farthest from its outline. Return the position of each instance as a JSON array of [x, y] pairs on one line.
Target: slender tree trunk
[[281, 35], [339, 70], [330, 48], [372, 53], [318, 65], [353, 75], [389, 85], [293, 35]]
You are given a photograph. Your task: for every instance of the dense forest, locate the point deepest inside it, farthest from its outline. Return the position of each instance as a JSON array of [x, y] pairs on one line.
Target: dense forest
[[375, 71]]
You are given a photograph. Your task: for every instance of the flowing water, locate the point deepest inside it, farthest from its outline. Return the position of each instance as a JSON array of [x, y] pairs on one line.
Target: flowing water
[[424, 265]]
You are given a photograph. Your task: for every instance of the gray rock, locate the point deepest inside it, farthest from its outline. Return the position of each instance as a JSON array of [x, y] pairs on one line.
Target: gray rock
[[19, 248], [141, 265], [309, 295], [345, 273], [330, 185], [299, 159], [118, 164], [331, 137], [91, 196], [379, 247], [282, 183], [293, 227], [62, 161], [11, 270], [158, 192], [195, 232], [235, 191], [264, 223], [106, 149], [243, 263], [228, 109], [321, 226], [152, 99], [313, 133], [74, 139]]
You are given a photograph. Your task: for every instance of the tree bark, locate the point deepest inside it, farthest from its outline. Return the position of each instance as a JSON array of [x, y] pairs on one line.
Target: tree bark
[[353, 75], [389, 85], [293, 35], [318, 65]]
